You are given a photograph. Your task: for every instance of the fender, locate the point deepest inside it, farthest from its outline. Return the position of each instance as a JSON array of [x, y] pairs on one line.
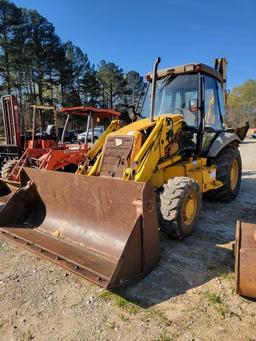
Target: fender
[[223, 139]]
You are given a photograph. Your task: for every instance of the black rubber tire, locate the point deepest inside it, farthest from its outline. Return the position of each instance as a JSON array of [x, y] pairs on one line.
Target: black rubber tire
[[223, 161], [7, 168], [170, 206]]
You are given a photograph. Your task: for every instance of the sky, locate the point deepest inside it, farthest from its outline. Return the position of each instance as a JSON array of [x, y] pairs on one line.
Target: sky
[[133, 33]]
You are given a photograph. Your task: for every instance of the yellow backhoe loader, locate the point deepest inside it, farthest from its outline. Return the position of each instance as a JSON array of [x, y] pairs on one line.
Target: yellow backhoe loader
[[102, 222]]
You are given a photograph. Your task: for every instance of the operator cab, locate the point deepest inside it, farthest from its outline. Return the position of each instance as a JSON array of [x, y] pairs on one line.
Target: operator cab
[[194, 91]]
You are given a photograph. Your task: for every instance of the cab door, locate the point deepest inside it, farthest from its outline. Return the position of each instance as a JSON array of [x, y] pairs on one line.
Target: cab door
[[213, 110]]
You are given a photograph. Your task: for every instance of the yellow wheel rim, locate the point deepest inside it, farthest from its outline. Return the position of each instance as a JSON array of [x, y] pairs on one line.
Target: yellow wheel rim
[[234, 174], [189, 209]]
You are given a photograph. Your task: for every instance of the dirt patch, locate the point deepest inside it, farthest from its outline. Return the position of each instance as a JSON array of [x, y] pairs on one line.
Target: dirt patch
[[189, 296]]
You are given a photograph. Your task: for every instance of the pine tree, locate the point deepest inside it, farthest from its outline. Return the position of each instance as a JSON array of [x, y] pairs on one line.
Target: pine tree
[[112, 84], [42, 46], [9, 22], [90, 87], [134, 88], [38, 68]]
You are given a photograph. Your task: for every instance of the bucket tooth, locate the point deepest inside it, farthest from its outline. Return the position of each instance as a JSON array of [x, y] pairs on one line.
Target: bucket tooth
[[103, 229]]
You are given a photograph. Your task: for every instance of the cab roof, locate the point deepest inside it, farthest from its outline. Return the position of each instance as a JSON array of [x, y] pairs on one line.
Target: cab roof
[[186, 69], [86, 111]]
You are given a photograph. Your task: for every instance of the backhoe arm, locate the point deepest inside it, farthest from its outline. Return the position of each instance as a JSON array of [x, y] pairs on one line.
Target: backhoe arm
[[154, 150]]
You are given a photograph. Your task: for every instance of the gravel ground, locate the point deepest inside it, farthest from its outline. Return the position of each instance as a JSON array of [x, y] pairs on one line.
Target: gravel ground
[[189, 296]]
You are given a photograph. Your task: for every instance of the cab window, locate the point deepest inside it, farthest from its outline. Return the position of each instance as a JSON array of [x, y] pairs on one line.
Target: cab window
[[212, 105], [173, 95]]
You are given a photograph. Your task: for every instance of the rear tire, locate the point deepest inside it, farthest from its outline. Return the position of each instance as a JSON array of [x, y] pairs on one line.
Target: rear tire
[[7, 168], [179, 206], [229, 170]]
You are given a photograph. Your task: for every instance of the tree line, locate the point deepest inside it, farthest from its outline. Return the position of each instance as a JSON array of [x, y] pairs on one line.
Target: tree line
[[37, 67], [241, 105]]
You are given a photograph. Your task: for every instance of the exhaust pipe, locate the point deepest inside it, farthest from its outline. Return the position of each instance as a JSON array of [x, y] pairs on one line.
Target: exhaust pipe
[[153, 94]]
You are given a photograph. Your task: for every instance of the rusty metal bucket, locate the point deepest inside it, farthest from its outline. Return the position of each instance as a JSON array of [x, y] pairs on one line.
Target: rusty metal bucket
[[102, 229], [245, 264]]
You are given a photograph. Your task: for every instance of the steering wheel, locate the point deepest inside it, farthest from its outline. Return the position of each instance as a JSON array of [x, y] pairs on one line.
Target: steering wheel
[[189, 117]]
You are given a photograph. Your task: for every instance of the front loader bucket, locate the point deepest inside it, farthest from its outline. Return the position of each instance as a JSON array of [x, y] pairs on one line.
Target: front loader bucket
[[102, 229], [245, 264], [7, 189]]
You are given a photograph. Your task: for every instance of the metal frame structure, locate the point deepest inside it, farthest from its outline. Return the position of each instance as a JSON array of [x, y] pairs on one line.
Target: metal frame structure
[[91, 113]]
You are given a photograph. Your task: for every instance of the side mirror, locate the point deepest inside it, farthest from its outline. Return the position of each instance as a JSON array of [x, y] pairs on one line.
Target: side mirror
[[193, 105]]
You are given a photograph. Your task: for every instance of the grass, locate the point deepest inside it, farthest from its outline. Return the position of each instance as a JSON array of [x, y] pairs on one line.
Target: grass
[[163, 337], [156, 313], [112, 325], [120, 302], [228, 275], [213, 298], [123, 318], [219, 305], [225, 273], [132, 308], [225, 311]]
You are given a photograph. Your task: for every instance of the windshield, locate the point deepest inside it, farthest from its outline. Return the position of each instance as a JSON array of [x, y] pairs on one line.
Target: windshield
[[173, 95]]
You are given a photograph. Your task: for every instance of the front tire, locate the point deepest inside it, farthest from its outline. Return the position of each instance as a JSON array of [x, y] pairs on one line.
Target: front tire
[[229, 172], [179, 206]]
